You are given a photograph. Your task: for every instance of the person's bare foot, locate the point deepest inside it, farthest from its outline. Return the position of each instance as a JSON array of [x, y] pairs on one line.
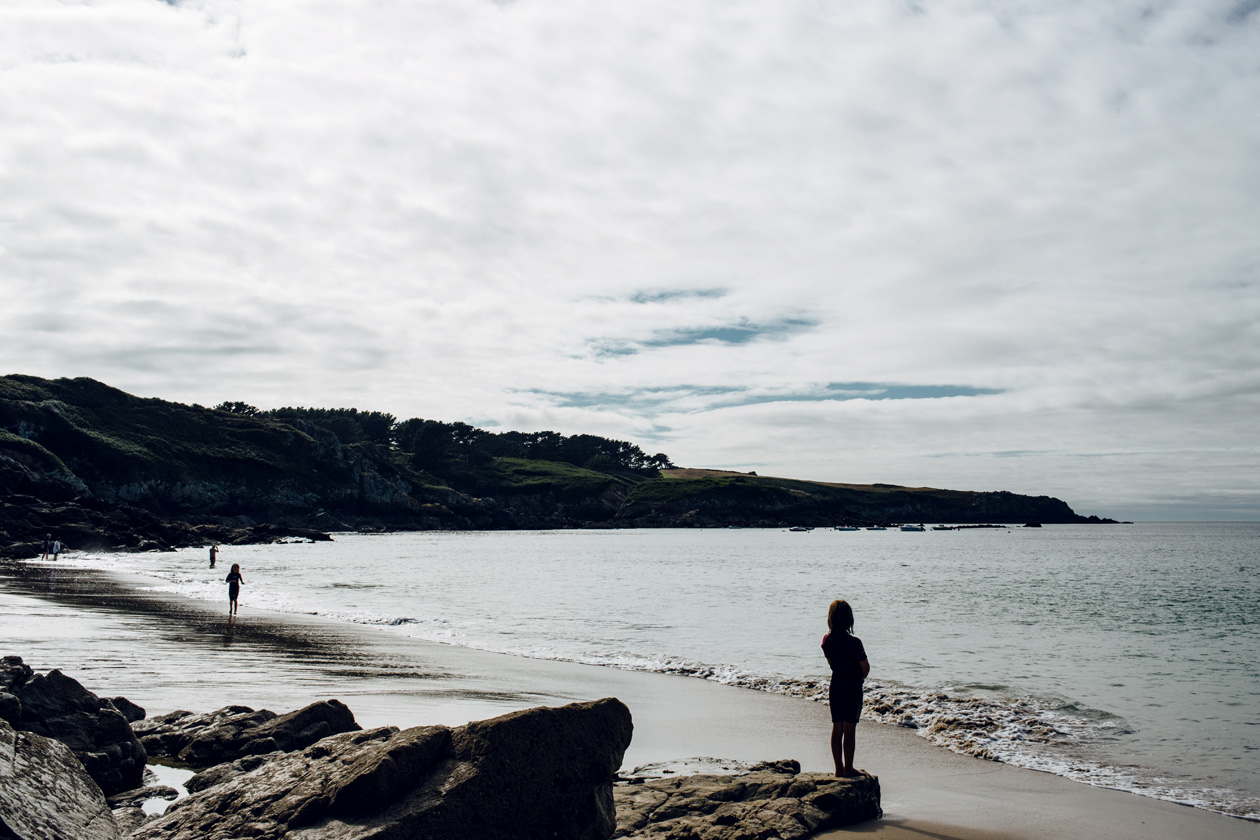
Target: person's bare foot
[[848, 774]]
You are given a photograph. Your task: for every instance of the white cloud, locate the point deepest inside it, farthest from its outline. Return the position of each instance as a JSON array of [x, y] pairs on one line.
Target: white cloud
[[454, 209]]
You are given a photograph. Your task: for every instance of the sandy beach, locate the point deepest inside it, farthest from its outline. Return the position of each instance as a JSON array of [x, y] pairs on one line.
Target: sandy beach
[[166, 653]]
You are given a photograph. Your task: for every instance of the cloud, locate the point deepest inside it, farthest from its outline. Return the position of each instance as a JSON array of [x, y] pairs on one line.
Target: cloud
[[860, 242]]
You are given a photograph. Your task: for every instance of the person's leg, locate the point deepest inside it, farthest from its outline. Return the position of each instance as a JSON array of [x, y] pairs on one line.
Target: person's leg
[[849, 733], [837, 746]]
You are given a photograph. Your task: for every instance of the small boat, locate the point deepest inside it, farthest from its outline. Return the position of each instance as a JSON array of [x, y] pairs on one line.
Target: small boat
[[943, 528], [846, 528], [877, 528], [799, 528], [913, 528]]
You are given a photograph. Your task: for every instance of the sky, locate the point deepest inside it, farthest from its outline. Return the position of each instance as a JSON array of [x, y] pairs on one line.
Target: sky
[[965, 244]]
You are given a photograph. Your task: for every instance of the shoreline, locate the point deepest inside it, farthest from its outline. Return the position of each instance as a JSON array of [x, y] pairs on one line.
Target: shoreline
[[166, 652]]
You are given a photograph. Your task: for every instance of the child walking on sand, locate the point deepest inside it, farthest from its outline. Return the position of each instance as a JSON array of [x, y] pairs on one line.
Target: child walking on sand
[[234, 581], [849, 668]]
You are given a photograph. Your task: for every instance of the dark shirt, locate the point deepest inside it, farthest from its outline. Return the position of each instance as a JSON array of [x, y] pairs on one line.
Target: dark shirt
[[845, 655], [234, 578]]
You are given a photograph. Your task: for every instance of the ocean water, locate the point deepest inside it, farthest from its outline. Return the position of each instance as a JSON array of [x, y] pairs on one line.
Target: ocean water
[[1121, 656]]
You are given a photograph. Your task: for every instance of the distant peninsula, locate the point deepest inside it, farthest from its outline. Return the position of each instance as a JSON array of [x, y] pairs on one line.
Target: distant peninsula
[[101, 469]]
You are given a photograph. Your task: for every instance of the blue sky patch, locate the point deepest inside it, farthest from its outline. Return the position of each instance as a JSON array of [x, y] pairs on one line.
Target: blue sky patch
[[667, 295], [887, 391], [741, 333], [717, 396]]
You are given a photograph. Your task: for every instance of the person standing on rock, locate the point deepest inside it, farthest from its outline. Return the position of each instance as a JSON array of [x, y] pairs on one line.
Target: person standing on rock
[[56, 548], [47, 547], [214, 555], [234, 581], [849, 668]]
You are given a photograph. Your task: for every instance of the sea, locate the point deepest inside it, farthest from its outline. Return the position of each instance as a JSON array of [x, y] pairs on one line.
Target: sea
[[1123, 656]]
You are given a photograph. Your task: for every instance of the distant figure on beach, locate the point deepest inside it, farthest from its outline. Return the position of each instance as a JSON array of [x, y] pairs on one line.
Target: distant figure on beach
[[47, 547], [56, 548], [849, 668], [234, 581], [214, 555]]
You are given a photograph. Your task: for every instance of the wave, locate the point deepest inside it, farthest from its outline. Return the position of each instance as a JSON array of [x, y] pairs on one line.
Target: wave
[[987, 722]]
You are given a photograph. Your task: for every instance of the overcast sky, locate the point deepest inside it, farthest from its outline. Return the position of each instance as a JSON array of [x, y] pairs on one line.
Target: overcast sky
[[965, 244]]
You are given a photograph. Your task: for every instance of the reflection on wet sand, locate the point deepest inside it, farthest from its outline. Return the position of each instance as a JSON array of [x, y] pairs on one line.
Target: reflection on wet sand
[[162, 649]]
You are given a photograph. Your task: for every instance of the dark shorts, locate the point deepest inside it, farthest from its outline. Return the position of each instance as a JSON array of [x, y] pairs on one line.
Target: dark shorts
[[234, 589], [846, 703]]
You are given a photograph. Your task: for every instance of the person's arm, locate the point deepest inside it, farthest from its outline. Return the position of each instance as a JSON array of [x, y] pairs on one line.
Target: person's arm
[[866, 668]]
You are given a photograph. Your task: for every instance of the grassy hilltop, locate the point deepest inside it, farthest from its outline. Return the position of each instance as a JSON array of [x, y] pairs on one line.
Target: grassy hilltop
[[78, 454]]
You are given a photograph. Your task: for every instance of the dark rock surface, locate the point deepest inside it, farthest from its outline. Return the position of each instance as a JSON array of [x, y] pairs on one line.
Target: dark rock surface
[[770, 802], [56, 706], [539, 773], [234, 732], [45, 792]]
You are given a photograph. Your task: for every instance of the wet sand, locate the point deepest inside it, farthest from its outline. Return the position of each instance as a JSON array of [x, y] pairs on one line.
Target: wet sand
[[165, 652]]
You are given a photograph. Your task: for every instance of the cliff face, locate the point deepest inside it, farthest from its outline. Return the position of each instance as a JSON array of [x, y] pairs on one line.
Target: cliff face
[[107, 469]]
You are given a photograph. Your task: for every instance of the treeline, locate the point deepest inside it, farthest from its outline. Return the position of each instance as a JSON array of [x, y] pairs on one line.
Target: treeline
[[439, 447]]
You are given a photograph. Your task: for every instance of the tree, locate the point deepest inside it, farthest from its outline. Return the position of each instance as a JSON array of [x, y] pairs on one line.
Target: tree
[[243, 409]]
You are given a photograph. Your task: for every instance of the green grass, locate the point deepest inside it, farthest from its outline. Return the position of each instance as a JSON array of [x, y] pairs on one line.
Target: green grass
[[513, 476]]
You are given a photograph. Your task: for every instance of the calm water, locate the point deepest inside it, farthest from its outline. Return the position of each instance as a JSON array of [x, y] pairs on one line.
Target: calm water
[[1125, 656]]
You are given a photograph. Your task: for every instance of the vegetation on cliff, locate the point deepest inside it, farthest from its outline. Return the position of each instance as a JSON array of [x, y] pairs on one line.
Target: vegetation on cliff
[[76, 450]]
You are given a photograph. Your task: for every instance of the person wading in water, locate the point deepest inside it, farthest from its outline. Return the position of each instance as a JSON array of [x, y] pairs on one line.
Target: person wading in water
[[234, 581]]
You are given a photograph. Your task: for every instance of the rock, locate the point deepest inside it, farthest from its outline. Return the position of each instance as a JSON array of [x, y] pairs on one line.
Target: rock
[[136, 797], [129, 819], [770, 802], [57, 706], [46, 793], [128, 806], [220, 773], [541, 773], [236, 731], [127, 709]]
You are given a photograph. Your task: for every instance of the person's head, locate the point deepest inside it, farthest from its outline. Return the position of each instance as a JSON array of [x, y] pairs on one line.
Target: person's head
[[236, 567], [840, 617]]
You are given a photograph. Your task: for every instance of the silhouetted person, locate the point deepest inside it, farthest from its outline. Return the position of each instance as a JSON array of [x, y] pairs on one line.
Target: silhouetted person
[[849, 668], [47, 547], [214, 555], [234, 581], [56, 548]]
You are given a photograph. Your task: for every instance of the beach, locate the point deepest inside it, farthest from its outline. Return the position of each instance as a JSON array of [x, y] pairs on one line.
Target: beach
[[118, 637]]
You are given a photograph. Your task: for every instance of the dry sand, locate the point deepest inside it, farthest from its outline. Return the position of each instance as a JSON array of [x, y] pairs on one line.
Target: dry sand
[[167, 653]]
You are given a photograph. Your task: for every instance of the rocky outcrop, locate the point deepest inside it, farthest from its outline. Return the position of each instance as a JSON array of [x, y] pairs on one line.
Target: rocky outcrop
[[770, 802], [102, 469], [234, 732], [45, 792], [56, 706], [541, 773]]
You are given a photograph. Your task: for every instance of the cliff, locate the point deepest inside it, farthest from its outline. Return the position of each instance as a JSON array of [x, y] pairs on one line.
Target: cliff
[[104, 469]]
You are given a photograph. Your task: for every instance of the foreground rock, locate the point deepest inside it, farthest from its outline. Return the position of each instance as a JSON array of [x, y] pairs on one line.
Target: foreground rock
[[237, 731], [540, 773], [771, 802], [46, 793], [56, 706]]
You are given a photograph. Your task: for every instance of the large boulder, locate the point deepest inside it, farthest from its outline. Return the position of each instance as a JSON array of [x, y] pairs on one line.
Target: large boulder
[[237, 731], [46, 793], [770, 802], [540, 774], [56, 706]]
